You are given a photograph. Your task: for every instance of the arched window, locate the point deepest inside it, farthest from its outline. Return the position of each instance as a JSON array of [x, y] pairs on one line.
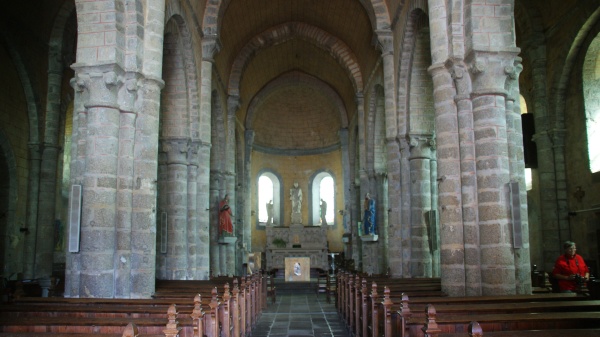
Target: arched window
[[323, 199], [529, 148], [591, 87], [269, 199]]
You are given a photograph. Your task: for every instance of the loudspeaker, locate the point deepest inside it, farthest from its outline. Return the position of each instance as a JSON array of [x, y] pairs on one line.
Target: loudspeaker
[[515, 208], [529, 146], [75, 219]]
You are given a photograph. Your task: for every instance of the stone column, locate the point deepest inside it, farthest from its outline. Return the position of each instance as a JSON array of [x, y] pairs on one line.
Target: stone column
[[127, 125], [470, 211], [143, 213], [403, 233], [230, 153], [343, 133], [517, 173], [549, 214], [452, 256], [98, 210], [176, 190], [44, 250], [492, 163], [420, 154], [192, 210], [210, 46], [363, 178], [394, 235], [215, 198], [203, 207], [391, 218], [249, 140], [433, 218], [32, 210], [78, 155]]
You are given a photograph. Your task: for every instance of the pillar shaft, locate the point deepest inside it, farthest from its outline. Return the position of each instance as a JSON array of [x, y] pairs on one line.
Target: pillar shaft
[[32, 207]]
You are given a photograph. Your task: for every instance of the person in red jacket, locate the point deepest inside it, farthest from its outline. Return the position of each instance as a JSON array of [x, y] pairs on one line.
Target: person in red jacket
[[570, 270]]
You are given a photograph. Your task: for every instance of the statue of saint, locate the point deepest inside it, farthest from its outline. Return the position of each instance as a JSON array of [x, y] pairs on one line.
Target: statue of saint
[[323, 212], [270, 212], [296, 198], [225, 214], [370, 227]]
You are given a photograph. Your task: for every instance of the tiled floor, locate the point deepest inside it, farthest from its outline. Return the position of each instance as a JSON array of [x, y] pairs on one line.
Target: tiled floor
[[300, 315]]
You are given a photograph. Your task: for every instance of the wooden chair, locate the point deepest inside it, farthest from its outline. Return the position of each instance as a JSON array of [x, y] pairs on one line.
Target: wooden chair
[[271, 289], [321, 287], [331, 288]]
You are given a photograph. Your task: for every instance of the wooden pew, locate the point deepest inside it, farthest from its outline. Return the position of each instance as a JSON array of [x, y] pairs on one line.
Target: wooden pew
[[368, 314], [433, 328], [232, 314]]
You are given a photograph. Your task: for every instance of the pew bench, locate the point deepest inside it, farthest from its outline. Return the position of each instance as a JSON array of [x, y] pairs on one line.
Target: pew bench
[[532, 333], [511, 322]]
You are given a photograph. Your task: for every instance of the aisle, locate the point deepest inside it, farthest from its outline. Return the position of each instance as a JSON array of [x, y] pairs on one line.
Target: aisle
[[300, 315]]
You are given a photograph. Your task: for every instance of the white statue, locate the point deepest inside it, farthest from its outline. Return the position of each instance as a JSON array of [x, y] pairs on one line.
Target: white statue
[[296, 198]]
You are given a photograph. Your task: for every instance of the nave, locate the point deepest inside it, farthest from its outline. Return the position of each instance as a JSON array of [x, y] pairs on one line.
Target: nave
[[300, 314]]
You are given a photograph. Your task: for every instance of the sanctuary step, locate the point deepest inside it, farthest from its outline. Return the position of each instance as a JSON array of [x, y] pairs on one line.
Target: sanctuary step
[[291, 288]]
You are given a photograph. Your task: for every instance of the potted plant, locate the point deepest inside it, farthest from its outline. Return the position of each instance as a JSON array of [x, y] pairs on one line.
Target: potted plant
[[279, 242]]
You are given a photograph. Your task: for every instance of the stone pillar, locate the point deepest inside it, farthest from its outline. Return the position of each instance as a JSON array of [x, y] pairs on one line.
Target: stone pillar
[[549, 214], [215, 198], [192, 210], [203, 209], [44, 250], [452, 257], [394, 234], [98, 210], [403, 233], [389, 219], [343, 133], [230, 153], [420, 154], [551, 236], [470, 211], [32, 210], [492, 163], [176, 190], [433, 223], [125, 174], [210, 47], [78, 155], [143, 214], [249, 141], [517, 173], [363, 179]]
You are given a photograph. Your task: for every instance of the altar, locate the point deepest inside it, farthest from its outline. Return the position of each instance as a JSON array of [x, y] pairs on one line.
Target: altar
[[296, 241]]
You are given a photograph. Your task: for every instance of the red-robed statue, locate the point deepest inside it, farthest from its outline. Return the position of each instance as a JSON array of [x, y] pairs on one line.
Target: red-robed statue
[[225, 214]]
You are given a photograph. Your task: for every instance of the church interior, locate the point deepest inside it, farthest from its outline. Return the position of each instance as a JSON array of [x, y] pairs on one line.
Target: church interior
[[176, 140]]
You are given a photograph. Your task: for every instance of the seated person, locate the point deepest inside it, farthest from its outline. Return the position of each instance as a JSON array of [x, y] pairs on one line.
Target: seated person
[[570, 270]]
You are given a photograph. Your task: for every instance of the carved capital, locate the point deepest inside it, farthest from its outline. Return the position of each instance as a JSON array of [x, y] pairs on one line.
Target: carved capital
[[128, 93], [176, 150], [421, 146], [210, 47], [101, 84], [193, 156], [490, 71], [386, 41], [233, 104]]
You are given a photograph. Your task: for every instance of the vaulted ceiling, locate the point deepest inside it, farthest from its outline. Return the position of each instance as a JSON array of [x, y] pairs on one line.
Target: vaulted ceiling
[[298, 62]]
